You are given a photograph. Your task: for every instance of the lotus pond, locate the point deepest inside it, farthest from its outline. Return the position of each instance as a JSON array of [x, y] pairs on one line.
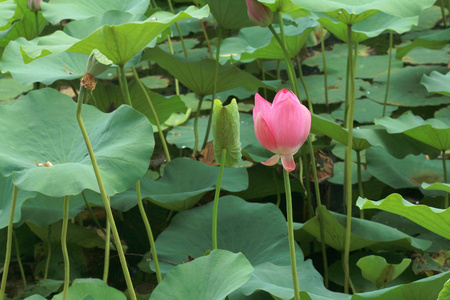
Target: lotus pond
[[224, 149]]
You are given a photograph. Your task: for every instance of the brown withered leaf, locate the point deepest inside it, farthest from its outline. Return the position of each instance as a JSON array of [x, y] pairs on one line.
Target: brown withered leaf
[[207, 155], [47, 164], [324, 166]]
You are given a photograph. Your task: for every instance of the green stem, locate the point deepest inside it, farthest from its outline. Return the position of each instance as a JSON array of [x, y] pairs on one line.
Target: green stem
[[19, 260], [444, 17], [49, 254], [307, 186], [36, 22], [107, 251], [391, 44], [197, 114], [444, 165], [155, 115], [263, 75], [302, 80], [290, 219], [178, 29], [124, 86], [105, 199], [348, 158], [8, 243], [177, 83], [216, 75], [148, 229], [65, 223], [216, 199], [205, 33], [360, 187], [92, 213], [325, 71], [289, 66]]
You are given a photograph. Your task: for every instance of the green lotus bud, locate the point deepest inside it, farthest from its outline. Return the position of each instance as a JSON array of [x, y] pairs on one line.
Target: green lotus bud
[[226, 131], [97, 63]]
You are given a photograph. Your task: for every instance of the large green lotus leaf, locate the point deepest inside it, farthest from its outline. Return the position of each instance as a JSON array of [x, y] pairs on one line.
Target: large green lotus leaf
[[368, 66], [107, 97], [410, 171], [91, 288], [6, 188], [257, 42], [368, 28], [321, 125], [239, 226], [365, 234], [351, 12], [22, 24], [366, 111], [434, 219], [199, 76], [437, 186], [428, 18], [445, 293], [433, 132], [208, 277], [42, 127], [119, 43], [378, 271], [437, 83], [433, 39], [7, 9], [83, 28], [230, 14], [424, 56], [11, 89], [176, 191], [336, 88], [57, 10], [405, 88], [47, 70], [423, 289], [44, 210]]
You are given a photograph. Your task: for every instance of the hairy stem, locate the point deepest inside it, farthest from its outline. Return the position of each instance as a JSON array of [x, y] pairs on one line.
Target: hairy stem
[[197, 115], [19, 260], [65, 252], [107, 251]]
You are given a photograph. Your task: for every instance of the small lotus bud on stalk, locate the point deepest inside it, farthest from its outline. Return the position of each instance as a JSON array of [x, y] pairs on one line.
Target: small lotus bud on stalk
[[259, 14], [34, 5], [97, 64], [226, 131]]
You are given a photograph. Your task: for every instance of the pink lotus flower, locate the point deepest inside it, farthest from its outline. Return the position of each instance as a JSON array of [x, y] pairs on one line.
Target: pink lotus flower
[[259, 14], [34, 5], [281, 127]]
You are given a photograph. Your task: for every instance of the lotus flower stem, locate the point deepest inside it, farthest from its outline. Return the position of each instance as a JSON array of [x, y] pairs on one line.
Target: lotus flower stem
[[49, 253], [155, 115], [8, 244], [197, 114], [19, 260], [65, 223], [348, 156], [325, 71], [169, 2], [177, 83], [291, 73], [444, 165], [360, 187], [290, 219], [107, 251], [444, 17], [391, 44], [216, 199], [216, 75], [302, 80], [148, 229], [105, 199]]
